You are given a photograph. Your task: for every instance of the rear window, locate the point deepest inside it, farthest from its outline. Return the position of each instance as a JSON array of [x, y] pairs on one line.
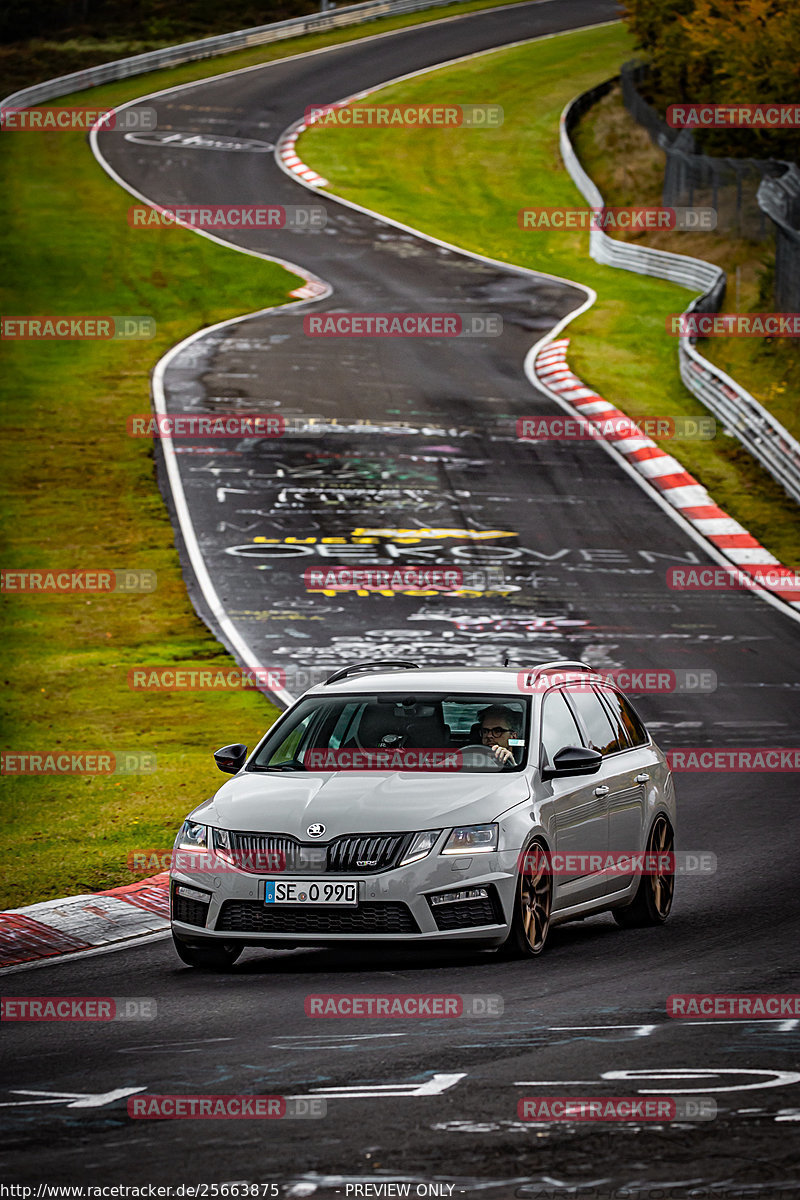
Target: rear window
[[630, 730]]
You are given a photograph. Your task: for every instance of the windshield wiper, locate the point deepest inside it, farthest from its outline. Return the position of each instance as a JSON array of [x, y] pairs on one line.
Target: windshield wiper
[[284, 766]]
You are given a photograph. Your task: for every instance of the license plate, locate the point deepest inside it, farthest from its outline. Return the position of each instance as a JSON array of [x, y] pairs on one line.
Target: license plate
[[310, 891]]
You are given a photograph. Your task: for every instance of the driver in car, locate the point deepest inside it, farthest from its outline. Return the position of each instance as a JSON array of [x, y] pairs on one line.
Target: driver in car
[[498, 724]]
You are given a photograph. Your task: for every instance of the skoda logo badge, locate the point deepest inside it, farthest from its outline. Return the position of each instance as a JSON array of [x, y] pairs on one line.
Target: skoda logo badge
[[316, 830]]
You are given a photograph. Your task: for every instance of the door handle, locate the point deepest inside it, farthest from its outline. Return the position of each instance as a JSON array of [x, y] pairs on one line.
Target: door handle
[[601, 791], [643, 778]]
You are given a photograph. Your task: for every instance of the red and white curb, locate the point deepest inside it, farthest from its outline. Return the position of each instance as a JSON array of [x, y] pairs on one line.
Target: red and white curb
[[311, 290], [55, 927], [291, 160], [667, 476]]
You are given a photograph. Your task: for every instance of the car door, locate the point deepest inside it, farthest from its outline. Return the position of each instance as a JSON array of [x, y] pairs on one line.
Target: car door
[[579, 806], [627, 800], [623, 794]]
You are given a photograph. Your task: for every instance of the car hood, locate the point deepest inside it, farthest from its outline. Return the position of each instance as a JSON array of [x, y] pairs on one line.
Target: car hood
[[349, 802]]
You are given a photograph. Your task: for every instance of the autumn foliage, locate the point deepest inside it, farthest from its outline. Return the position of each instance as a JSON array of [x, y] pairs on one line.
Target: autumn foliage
[[722, 51]]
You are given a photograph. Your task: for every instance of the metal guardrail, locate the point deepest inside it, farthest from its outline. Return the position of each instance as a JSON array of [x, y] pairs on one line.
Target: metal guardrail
[[740, 413], [171, 56]]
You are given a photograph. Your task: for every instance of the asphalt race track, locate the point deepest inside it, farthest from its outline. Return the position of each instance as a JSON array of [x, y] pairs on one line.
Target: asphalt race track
[[584, 552]]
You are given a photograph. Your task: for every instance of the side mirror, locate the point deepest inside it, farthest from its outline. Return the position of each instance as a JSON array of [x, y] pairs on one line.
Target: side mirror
[[573, 760], [231, 759]]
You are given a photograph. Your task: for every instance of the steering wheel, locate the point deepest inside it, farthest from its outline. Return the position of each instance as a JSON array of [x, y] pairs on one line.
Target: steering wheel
[[476, 751]]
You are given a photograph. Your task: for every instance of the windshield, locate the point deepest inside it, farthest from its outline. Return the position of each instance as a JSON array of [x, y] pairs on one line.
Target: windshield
[[399, 732]]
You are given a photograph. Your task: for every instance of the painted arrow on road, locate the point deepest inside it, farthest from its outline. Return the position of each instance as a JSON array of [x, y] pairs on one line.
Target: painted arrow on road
[[431, 1087], [75, 1099]]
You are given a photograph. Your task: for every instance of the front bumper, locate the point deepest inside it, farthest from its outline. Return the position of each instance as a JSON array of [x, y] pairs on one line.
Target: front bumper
[[393, 906]]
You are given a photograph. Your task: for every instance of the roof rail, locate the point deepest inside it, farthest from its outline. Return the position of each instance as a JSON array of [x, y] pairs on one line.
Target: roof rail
[[400, 663], [562, 664]]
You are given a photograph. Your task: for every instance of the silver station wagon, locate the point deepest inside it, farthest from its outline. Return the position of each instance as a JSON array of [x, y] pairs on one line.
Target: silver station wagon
[[398, 803]]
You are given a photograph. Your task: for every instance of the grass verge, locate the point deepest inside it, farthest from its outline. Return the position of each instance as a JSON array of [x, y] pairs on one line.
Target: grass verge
[[80, 494], [629, 169], [467, 187]]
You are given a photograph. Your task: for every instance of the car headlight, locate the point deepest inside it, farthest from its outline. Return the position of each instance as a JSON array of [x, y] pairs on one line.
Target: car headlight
[[191, 836], [421, 844], [472, 839]]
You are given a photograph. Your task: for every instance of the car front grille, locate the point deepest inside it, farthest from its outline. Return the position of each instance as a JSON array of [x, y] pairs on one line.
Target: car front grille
[[252, 916], [463, 914], [365, 853]]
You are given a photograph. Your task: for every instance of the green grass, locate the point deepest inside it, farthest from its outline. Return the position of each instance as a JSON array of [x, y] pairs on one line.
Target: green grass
[[466, 187], [629, 169], [80, 494]]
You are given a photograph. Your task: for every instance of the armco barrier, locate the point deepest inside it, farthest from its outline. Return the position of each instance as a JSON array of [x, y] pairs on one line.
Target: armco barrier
[[171, 56], [741, 414]]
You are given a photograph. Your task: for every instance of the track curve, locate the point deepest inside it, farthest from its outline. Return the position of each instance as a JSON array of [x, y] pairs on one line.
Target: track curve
[[587, 549]]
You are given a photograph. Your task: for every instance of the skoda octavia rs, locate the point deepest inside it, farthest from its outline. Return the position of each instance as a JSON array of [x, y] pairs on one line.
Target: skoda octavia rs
[[395, 803]]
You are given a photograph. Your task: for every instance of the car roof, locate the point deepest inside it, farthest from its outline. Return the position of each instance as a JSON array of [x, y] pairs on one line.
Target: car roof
[[491, 680]]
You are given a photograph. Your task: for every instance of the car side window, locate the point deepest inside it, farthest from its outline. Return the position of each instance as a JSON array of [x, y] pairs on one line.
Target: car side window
[[611, 703], [558, 727], [596, 722], [637, 734], [344, 725]]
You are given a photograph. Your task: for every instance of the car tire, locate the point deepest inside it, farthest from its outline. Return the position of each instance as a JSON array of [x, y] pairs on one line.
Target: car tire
[[207, 958], [532, 906], [653, 900]]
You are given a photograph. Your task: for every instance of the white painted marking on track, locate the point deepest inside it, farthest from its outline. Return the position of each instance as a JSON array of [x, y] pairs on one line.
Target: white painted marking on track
[[376, 1091], [641, 1030], [677, 1075], [76, 1099]]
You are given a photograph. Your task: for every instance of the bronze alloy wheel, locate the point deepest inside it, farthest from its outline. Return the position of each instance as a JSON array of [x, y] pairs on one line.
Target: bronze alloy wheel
[[533, 903], [653, 899]]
